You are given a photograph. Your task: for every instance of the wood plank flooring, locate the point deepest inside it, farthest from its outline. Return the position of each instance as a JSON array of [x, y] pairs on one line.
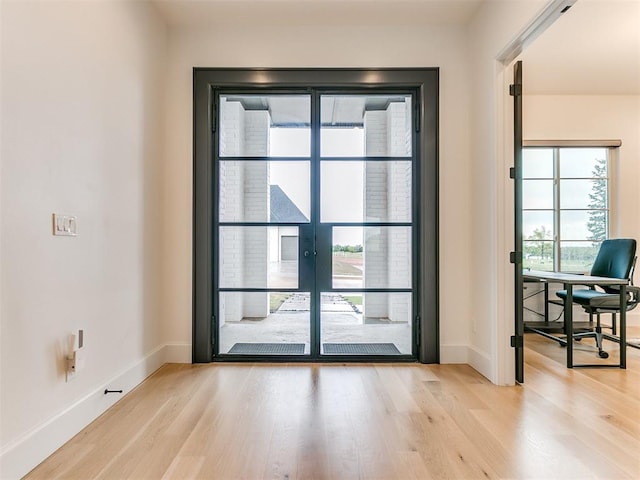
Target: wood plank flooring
[[383, 421]]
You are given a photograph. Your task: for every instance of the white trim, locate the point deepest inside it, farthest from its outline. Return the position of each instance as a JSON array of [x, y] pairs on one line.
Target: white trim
[[503, 371], [467, 355], [20, 456], [572, 143], [482, 363], [538, 24]]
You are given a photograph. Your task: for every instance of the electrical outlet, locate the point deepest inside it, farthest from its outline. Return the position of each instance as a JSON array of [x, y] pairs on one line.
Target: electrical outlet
[[71, 367]]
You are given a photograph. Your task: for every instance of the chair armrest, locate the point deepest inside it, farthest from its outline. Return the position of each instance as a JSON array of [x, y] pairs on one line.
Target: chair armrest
[[634, 292]]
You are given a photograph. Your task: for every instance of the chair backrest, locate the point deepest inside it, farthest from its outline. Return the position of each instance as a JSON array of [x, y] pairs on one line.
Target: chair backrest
[[614, 259]]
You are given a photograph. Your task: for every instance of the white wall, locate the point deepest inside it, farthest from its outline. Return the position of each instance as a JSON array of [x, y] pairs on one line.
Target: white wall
[[604, 117], [352, 46], [491, 201], [81, 104]]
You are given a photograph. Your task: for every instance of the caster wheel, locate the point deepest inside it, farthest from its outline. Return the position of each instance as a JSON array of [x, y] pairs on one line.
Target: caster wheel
[[602, 354], [578, 339]]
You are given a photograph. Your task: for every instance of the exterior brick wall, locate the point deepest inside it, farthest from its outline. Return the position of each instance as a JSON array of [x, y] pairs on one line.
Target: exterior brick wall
[[387, 187], [244, 196]]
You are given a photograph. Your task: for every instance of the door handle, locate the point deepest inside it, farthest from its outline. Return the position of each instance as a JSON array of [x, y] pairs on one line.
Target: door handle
[[307, 253]]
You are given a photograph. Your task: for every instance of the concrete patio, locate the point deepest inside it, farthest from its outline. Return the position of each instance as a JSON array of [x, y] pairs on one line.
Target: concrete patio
[[341, 322]]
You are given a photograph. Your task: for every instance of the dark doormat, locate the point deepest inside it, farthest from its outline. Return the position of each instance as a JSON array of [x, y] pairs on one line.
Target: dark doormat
[[268, 348], [360, 349]]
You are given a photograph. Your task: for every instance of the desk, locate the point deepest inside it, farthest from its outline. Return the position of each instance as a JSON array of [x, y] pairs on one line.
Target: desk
[[569, 280]]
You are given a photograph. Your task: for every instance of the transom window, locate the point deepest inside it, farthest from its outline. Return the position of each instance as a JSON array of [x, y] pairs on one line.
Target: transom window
[[566, 206]]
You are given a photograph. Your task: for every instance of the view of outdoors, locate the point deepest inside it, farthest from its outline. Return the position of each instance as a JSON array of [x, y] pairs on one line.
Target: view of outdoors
[[362, 183], [565, 207]]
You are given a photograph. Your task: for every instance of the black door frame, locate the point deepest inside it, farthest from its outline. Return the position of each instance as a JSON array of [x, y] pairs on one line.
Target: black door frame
[[517, 340], [425, 80]]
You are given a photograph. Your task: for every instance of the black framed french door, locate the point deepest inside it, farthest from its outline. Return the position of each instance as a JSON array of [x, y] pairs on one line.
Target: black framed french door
[[312, 215]]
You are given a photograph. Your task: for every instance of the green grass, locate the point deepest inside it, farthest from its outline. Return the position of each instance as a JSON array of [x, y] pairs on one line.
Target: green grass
[[276, 300], [354, 299]]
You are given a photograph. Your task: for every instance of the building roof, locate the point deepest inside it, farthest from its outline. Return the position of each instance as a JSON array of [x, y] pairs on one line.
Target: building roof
[[283, 209]]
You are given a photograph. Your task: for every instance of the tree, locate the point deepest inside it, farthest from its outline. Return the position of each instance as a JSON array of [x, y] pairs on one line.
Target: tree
[[540, 234], [597, 223]]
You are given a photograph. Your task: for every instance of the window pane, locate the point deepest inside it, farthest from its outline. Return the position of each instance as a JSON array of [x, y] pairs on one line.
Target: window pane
[[373, 323], [537, 194], [258, 257], [276, 192], [371, 257], [264, 323], [265, 126], [538, 255], [343, 142], [583, 194], [574, 225], [537, 225], [537, 162], [578, 257], [366, 191], [583, 162], [366, 126]]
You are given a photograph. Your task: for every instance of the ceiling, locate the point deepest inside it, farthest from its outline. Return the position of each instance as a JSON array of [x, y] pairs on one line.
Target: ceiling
[[193, 13], [593, 49]]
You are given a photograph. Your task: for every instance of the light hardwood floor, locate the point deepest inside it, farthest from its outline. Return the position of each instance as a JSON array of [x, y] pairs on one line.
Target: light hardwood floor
[[384, 421]]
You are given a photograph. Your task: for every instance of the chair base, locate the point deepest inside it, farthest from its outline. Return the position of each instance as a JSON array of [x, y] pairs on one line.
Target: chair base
[[596, 333], [599, 336]]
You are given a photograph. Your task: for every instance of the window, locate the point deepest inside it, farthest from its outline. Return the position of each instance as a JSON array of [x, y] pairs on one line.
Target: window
[[565, 206]]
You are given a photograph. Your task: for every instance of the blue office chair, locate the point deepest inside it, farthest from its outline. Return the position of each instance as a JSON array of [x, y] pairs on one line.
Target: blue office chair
[[616, 259]]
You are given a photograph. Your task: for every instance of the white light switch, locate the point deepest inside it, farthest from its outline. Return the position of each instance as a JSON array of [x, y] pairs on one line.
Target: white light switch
[[65, 225]]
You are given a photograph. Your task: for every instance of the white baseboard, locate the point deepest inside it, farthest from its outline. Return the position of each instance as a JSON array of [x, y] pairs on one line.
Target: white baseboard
[[23, 454], [466, 354], [482, 363]]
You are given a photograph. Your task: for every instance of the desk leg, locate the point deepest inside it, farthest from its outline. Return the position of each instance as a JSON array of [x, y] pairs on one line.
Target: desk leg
[[623, 326], [568, 322], [546, 303]]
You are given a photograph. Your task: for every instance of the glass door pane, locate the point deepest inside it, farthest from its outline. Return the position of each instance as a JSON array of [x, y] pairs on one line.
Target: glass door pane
[[371, 257], [265, 126], [362, 125], [264, 204], [264, 323], [366, 213], [365, 191], [366, 323]]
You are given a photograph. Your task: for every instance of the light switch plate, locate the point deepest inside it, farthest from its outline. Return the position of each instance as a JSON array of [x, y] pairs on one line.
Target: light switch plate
[[66, 225]]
